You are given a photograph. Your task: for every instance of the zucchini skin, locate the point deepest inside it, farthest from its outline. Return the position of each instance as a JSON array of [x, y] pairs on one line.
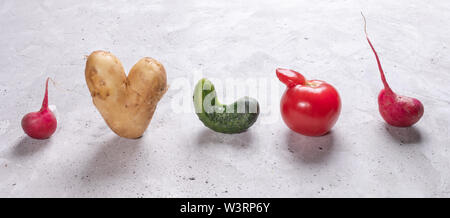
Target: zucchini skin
[[236, 117]]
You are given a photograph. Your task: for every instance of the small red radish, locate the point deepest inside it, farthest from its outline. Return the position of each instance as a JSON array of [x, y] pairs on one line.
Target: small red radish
[[396, 110], [40, 124]]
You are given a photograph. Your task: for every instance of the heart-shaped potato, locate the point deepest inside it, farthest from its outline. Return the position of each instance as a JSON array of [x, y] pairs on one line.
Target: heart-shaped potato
[[126, 103]]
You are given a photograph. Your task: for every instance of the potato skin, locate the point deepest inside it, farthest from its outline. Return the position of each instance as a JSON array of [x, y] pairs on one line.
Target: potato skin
[[127, 104]]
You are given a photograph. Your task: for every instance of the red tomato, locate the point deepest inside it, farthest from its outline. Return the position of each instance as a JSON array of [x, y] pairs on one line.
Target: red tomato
[[309, 107]]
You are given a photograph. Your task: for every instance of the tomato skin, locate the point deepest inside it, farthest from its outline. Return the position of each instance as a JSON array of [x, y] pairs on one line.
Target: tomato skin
[[312, 108]]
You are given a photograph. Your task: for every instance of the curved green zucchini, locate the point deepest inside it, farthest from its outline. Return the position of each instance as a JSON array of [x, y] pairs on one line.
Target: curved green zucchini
[[233, 118]]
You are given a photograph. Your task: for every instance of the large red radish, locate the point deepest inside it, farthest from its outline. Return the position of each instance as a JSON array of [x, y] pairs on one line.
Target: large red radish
[[396, 110]]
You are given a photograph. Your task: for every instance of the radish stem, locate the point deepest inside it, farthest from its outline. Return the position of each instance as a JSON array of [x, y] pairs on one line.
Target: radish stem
[[45, 101], [383, 78]]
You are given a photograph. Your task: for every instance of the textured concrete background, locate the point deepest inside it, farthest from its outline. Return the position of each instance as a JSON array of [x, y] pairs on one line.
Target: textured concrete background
[[178, 157]]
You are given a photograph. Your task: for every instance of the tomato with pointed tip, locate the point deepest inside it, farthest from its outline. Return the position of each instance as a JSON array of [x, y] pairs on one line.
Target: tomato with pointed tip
[[308, 107]]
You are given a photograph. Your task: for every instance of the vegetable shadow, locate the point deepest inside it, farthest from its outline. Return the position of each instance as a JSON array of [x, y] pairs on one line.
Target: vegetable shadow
[[112, 158], [28, 146], [404, 135], [310, 149], [238, 140]]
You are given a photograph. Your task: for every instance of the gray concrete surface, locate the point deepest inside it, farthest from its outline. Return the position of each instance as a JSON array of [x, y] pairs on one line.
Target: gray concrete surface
[[178, 157]]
